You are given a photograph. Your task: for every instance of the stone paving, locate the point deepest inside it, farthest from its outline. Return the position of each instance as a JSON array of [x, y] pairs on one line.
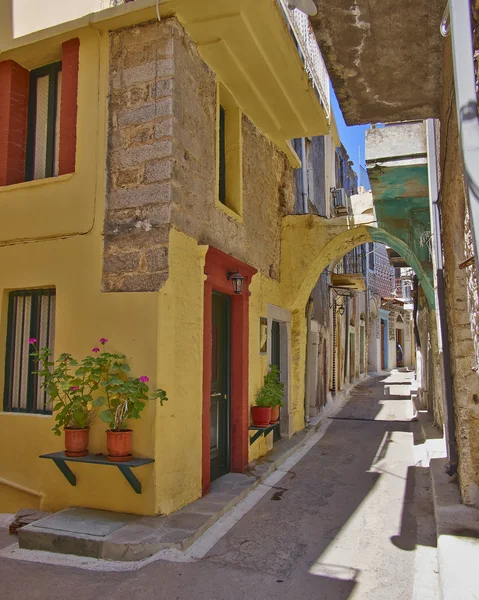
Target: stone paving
[[352, 519]]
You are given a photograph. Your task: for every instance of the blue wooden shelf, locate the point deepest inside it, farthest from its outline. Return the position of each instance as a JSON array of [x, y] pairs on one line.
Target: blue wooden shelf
[[60, 459]]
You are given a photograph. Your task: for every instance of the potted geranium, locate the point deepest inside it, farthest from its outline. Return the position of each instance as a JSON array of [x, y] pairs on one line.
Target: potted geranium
[[269, 396], [69, 385], [124, 398]]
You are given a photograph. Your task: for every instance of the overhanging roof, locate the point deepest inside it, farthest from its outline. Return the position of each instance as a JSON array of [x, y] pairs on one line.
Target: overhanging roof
[[249, 46], [384, 58], [351, 281], [395, 259]]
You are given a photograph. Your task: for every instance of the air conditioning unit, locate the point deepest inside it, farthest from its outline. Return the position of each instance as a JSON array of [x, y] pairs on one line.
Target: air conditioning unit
[[340, 201]]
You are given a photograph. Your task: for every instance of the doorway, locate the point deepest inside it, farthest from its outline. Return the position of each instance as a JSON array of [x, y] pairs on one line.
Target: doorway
[[220, 405], [399, 348], [352, 356]]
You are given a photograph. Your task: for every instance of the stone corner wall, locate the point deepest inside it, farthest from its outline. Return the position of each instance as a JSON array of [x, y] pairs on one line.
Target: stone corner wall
[[139, 165], [161, 168]]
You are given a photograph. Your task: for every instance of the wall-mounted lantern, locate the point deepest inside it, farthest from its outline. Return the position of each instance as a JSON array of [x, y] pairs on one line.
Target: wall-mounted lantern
[[237, 281]]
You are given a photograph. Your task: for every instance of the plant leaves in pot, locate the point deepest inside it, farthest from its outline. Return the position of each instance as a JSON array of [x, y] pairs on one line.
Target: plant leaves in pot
[[124, 398], [270, 395], [69, 385]]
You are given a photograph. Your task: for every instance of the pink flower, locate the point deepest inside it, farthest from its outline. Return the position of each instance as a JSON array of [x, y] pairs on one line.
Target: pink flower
[[103, 340], [144, 379], [32, 341], [74, 388], [96, 350]]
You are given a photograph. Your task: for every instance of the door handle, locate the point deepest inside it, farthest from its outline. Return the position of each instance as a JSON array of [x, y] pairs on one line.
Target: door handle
[[216, 394]]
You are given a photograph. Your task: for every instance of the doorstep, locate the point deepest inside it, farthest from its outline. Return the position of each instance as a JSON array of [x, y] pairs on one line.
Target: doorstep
[[124, 537], [457, 525]]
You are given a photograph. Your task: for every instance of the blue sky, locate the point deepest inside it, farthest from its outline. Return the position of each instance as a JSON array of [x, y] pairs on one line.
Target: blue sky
[[352, 138]]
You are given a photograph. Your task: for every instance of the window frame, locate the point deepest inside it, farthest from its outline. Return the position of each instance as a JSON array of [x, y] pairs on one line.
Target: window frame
[[222, 156], [32, 379], [229, 150], [52, 71]]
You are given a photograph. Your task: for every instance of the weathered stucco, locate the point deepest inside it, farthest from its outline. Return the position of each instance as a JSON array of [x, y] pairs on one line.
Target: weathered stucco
[[366, 45], [461, 298]]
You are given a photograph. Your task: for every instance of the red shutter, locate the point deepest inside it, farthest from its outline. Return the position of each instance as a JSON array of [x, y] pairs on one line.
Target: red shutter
[[69, 106], [14, 82]]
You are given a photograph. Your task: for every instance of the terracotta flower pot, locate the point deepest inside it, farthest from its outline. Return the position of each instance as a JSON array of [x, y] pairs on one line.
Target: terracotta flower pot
[[76, 442], [118, 444], [261, 416], [274, 414]]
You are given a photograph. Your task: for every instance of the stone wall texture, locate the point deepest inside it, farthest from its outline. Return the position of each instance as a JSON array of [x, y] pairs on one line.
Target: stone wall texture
[[461, 293], [161, 170]]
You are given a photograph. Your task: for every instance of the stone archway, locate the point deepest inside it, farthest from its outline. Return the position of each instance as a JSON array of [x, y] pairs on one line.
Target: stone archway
[[309, 244]]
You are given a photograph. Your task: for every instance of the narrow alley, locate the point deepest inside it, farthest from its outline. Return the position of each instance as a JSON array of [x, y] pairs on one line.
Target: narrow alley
[[352, 519]]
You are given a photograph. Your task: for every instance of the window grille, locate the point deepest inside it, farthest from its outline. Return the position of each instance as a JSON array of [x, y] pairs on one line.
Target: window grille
[[31, 314], [43, 122]]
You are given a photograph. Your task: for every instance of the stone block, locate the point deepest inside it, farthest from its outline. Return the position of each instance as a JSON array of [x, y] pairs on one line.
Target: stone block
[[137, 94], [162, 88], [145, 282], [128, 177], [121, 263], [137, 238], [158, 170], [142, 133], [142, 114], [150, 52], [138, 220], [136, 155], [145, 33], [156, 259], [164, 128], [156, 193], [143, 73]]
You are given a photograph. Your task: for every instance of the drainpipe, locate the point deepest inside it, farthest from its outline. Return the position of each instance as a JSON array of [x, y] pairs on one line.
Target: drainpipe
[[304, 176], [346, 346], [442, 326], [466, 104]]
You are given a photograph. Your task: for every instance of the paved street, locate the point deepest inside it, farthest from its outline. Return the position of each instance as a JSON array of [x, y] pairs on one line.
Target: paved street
[[352, 519]]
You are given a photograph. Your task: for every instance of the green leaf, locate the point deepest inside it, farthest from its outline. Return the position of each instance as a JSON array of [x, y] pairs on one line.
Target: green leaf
[[107, 416], [98, 402], [81, 418], [58, 406]]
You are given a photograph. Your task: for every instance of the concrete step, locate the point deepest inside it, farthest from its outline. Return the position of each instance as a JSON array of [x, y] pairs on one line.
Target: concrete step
[[123, 537]]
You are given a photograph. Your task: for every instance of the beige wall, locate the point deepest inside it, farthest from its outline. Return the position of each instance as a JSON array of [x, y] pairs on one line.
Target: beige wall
[[461, 298]]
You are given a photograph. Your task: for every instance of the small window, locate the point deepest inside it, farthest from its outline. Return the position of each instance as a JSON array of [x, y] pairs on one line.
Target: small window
[[222, 158], [31, 314], [43, 122], [229, 151]]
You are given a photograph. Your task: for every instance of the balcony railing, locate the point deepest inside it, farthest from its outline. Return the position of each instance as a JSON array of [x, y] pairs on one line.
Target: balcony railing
[[309, 51]]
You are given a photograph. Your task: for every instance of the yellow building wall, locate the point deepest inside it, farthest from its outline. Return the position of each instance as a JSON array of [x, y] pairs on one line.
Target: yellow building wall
[[50, 235]]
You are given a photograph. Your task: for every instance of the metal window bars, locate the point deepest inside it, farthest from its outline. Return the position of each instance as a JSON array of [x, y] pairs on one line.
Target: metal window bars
[[31, 314], [309, 51]]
